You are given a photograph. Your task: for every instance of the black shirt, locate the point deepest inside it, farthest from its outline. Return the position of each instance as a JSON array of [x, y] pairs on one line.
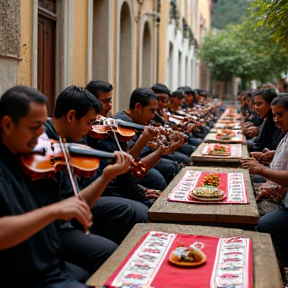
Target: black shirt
[[268, 133], [29, 262]]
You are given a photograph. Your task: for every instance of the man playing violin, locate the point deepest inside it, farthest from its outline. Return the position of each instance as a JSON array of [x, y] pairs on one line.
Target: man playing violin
[[189, 97], [30, 247], [142, 108], [113, 217], [103, 91], [161, 116]]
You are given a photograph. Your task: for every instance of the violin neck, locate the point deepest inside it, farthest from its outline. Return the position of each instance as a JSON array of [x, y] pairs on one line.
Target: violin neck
[[85, 150], [126, 124], [119, 122]]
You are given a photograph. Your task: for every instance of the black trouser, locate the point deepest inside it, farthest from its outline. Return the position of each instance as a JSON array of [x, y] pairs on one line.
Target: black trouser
[[276, 224], [66, 276], [86, 251], [113, 218]]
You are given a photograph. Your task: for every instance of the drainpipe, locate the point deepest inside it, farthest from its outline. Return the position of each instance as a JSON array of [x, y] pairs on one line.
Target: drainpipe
[[157, 39]]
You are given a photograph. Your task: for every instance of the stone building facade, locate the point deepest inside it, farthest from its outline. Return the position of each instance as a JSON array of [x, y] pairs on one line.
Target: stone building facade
[[51, 44]]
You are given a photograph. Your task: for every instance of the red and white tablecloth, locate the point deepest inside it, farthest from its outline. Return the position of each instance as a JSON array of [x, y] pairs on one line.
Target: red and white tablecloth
[[234, 150], [228, 263], [231, 183]]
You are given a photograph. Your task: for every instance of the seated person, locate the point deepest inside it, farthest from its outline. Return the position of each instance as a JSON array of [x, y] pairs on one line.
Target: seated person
[[200, 96], [142, 107], [30, 246], [122, 186], [189, 97], [251, 120], [278, 157], [113, 218], [275, 223], [269, 135], [182, 155], [103, 91], [163, 93], [174, 107]]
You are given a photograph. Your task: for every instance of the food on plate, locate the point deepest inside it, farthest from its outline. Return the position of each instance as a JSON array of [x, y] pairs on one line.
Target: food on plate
[[187, 256], [218, 150], [225, 135], [207, 193], [211, 180]]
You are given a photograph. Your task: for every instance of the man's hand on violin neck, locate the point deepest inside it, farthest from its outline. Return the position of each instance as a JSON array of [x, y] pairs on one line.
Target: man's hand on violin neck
[[70, 208], [121, 166], [149, 133]]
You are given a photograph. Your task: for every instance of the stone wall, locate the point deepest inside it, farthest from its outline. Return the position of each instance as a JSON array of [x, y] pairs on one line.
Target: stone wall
[[10, 30], [10, 33]]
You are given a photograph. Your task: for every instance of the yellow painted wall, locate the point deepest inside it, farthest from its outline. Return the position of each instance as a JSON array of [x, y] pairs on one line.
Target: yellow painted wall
[[80, 45], [24, 75], [204, 9]]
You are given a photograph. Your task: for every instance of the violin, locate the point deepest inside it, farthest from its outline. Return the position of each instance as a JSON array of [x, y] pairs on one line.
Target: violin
[[165, 137], [47, 158], [105, 127]]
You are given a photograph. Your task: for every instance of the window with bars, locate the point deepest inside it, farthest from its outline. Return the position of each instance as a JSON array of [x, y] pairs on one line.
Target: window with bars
[[49, 5]]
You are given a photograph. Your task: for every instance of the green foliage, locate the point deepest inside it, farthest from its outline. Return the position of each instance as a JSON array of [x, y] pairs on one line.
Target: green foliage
[[255, 50], [271, 17], [240, 52], [228, 12]]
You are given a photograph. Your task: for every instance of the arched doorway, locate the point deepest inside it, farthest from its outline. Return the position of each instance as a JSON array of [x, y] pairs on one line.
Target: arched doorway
[[146, 57], [100, 58], [125, 58]]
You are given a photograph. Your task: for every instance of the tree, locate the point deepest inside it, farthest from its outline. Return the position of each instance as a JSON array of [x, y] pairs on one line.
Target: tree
[[223, 55], [228, 12], [240, 52], [271, 16]]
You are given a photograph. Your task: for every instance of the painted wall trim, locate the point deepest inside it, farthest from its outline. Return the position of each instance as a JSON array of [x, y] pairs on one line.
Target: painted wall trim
[[68, 28], [34, 55], [90, 40]]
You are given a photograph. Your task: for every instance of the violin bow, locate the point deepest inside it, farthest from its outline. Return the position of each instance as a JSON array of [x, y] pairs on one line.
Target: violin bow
[[67, 158], [117, 141], [71, 174]]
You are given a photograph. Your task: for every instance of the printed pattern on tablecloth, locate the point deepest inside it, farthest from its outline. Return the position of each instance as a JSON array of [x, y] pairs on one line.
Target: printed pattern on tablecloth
[[233, 264], [232, 184], [234, 150], [135, 272], [144, 262]]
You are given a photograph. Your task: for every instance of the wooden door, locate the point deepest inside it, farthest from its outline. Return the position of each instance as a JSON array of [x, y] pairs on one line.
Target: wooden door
[[46, 59]]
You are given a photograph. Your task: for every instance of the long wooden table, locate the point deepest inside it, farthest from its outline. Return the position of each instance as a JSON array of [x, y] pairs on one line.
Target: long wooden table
[[206, 160], [266, 272], [231, 215]]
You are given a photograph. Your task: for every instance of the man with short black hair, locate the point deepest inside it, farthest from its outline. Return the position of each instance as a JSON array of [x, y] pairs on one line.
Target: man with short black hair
[[30, 247], [113, 218]]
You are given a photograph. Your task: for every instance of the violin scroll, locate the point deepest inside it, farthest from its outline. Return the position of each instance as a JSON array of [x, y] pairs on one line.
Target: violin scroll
[[138, 169]]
